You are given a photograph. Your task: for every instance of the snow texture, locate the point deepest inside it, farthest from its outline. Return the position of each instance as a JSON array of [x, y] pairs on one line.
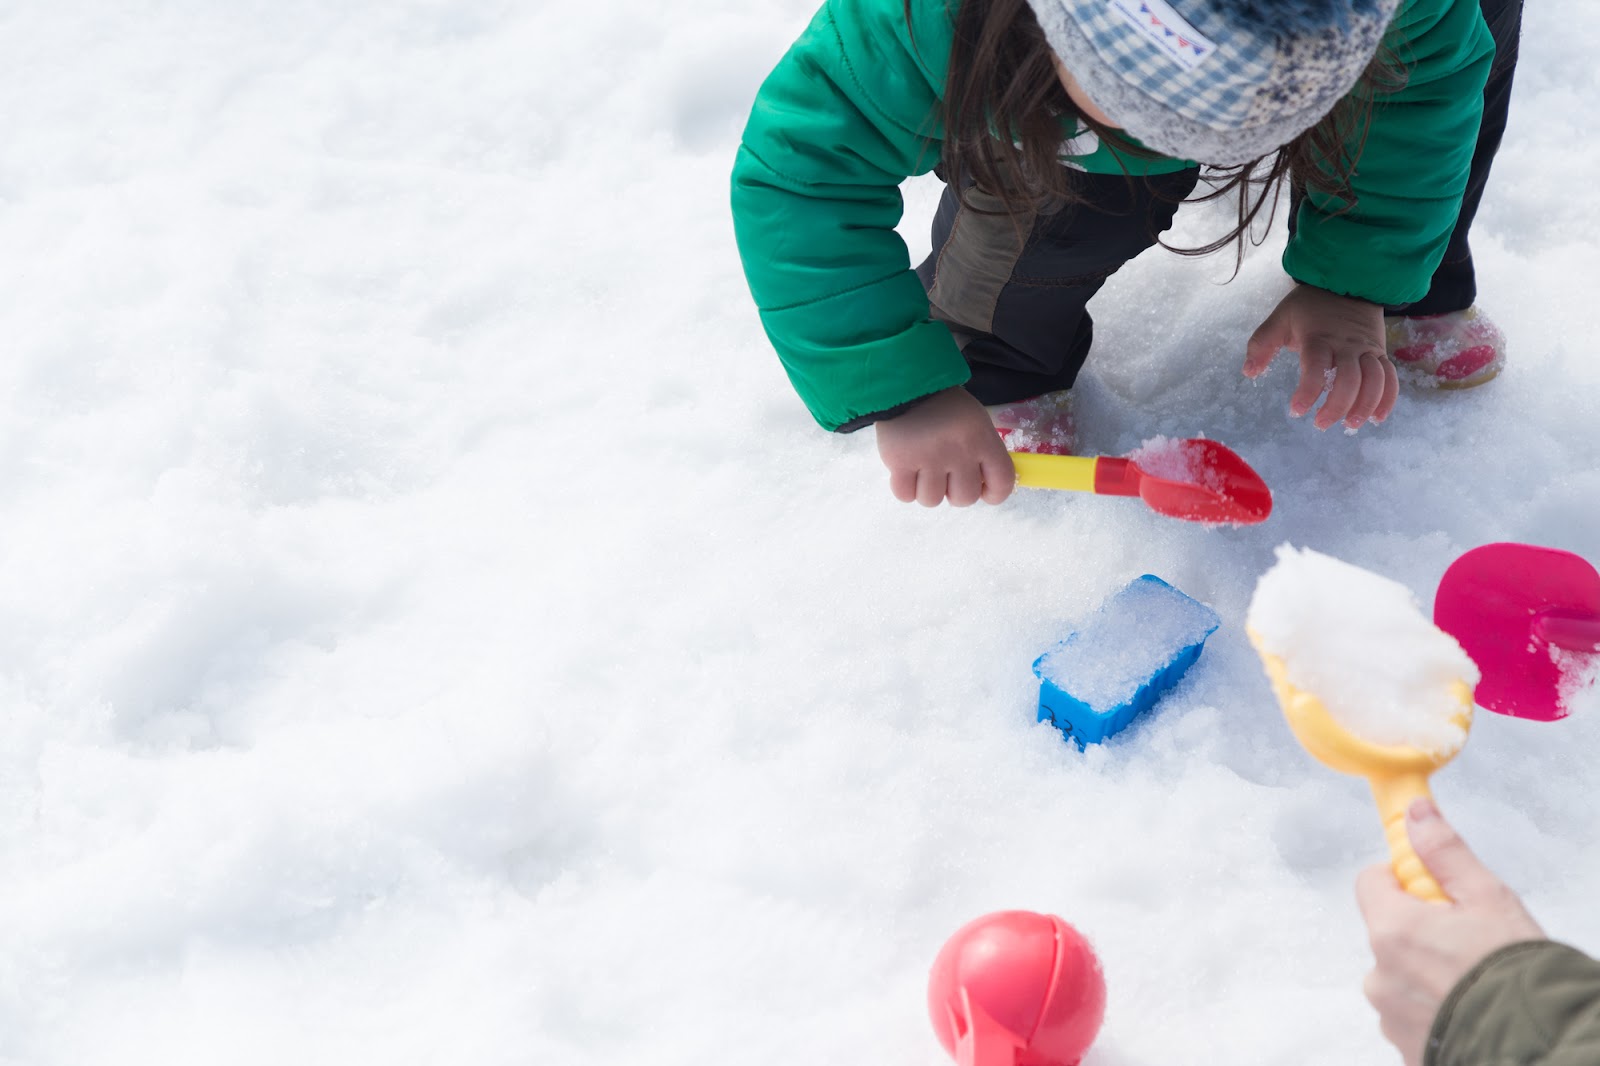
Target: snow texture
[[1128, 640], [432, 631], [1171, 460], [1579, 672]]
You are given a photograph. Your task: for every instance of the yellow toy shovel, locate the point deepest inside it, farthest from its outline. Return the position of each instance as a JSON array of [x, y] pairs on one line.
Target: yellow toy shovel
[[1398, 773]]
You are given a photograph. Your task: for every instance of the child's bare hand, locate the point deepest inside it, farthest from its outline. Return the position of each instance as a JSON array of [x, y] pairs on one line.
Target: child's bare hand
[[1421, 950], [946, 448], [1340, 341]]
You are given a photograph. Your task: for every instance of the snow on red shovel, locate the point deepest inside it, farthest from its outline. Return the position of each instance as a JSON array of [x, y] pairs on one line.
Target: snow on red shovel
[[1196, 480], [1530, 619]]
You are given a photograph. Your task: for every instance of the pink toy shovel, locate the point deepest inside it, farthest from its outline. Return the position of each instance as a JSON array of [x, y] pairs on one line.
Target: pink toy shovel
[[1530, 619]]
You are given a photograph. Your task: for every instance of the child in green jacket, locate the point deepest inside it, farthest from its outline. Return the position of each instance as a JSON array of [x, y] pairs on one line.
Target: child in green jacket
[[1068, 131]]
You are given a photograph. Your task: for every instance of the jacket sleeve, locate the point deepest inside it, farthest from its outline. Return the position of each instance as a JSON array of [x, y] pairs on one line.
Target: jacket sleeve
[[848, 114], [1531, 1004], [1413, 168]]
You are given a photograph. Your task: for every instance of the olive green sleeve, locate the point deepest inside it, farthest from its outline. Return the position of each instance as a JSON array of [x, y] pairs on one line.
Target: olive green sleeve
[[1531, 1004], [1413, 167], [850, 112]]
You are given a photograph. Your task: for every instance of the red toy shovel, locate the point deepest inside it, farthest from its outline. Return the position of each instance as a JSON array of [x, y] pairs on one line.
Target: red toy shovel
[[1198, 480], [1530, 618]]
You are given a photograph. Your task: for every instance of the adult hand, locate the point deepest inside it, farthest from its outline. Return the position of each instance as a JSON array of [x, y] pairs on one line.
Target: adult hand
[[1340, 341], [946, 448], [1422, 949]]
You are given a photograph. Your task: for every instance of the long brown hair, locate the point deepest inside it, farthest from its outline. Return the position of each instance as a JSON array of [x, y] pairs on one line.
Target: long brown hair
[[1004, 107]]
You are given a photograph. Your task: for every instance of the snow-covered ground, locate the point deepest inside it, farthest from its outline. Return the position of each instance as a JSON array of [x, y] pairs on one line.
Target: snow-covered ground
[[431, 631]]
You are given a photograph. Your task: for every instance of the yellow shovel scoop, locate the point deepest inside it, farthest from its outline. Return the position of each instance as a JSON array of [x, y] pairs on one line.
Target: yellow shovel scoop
[[1368, 684], [1398, 773]]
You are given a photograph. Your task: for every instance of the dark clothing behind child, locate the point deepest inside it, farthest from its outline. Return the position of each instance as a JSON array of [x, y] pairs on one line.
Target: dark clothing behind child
[[1455, 284], [1014, 289]]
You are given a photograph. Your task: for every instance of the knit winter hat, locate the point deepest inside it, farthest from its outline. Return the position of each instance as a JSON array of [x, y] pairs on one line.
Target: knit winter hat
[[1216, 81]]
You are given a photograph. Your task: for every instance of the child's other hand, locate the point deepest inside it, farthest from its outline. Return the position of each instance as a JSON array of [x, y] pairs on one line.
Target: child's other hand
[[946, 448], [1340, 341]]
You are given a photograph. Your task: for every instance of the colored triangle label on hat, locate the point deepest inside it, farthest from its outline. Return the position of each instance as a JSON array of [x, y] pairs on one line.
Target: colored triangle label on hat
[[1158, 23]]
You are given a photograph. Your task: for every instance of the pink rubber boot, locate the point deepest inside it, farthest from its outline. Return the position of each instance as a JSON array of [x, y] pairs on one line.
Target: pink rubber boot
[[1043, 425], [1458, 350]]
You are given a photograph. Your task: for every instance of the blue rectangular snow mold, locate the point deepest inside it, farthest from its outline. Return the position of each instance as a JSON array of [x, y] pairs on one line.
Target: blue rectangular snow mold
[[1136, 646]]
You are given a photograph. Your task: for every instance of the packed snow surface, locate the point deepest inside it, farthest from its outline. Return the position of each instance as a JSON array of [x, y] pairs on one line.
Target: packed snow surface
[[433, 631], [1359, 643]]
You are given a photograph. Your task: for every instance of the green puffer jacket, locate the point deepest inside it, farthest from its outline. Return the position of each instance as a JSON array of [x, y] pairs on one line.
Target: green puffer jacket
[[852, 110], [1531, 1004]]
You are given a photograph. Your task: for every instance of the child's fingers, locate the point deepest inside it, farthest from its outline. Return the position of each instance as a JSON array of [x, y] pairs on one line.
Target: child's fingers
[[903, 483], [1316, 364], [964, 485], [1391, 391], [1342, 392], [1264, 345], [999, 479], [1370, 394], [930, 487]]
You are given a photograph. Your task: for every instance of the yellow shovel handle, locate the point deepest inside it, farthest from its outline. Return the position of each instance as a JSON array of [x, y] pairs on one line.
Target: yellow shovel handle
[[1394, 795], [1074, 473]]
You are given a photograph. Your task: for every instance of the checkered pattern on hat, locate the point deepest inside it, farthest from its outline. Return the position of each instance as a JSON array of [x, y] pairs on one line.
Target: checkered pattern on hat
[[1218, 81], [1218, 92]]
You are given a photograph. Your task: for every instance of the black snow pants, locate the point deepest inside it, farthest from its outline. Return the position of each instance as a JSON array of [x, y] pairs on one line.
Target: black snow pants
[[1013, 288]]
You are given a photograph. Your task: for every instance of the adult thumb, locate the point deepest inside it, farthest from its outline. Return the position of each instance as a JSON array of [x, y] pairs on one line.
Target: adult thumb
[[1445, 854]]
